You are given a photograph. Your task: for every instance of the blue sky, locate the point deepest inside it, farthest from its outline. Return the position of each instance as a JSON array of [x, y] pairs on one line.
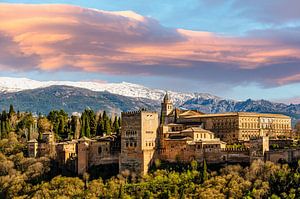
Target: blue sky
[[252, 51]]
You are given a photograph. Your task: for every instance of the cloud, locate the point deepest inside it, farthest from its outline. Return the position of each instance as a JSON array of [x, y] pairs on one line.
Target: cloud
[[292, 100], [269, 11], [12, 55], [70, 38]]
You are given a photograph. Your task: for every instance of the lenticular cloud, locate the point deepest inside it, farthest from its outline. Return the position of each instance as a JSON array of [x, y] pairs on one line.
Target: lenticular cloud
[[64, 37]]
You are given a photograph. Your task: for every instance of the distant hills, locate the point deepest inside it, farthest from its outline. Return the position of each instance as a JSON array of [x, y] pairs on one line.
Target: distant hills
[[72, 99], [41, 97]]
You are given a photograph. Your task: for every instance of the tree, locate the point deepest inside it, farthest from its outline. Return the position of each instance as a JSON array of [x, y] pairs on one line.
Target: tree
[[204, 171], [100, 126], [194, 165], [116, 126], [44, 125], [61, 187], [119, 122], [5, 126], [87, 128], [297, 128], [107, 127], [86, 177], [74, 127], [59, 120], [11, 111], [83, 129]]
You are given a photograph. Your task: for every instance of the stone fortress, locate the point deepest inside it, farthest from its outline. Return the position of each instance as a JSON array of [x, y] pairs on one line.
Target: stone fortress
[[174, 136]]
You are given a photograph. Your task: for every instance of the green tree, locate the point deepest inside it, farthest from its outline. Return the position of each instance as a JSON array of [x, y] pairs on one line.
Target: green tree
[[83, 124], [100, 126], [116, 126], [11, 111], [59, 120], [204, 171], [107, 127]]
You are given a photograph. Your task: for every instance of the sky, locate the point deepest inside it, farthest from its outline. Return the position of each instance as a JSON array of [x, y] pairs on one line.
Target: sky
[[231, 48]]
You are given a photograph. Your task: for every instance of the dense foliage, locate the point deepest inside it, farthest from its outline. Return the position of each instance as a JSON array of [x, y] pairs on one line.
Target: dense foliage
[[23, 177], [27, 126]]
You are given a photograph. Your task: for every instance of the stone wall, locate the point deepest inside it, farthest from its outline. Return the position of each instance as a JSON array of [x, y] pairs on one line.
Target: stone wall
[[138, 140], [100, 153], [285, 155]]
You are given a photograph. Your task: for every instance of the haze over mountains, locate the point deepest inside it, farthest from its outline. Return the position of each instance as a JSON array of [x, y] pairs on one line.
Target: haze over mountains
[[43, 96]]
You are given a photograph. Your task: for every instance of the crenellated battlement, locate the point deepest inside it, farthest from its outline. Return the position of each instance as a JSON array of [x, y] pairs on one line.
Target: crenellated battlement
[[132, 113], [235, 150]]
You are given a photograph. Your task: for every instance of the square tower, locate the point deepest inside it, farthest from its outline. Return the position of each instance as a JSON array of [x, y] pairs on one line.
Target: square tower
[[138, 141]]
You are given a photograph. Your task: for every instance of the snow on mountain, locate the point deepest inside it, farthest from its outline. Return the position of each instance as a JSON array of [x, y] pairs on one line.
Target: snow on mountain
[[9, 84]]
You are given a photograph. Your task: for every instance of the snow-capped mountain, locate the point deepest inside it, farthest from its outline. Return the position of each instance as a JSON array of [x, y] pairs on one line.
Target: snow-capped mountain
[[41, 97], [9, 85]]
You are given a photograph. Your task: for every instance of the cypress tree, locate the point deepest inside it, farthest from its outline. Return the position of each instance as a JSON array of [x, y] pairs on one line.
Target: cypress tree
[[1, 128], [82, 133], [100, 126], [40, 136], [119, 121], [87, 127], [11, 110], [204, 171], [107, 127], [4, 124], [116, 125], [104, 116], [73, 125], [92, 122], [61, 127]]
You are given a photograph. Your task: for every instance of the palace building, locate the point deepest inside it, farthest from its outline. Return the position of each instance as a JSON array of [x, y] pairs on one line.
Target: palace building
[[230, 127], [176, 136]]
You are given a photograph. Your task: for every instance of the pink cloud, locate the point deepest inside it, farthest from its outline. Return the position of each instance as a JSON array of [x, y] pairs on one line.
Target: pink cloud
[[64, 37]]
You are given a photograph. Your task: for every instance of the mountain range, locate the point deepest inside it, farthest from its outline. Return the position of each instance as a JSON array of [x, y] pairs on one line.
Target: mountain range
[[43, 96]]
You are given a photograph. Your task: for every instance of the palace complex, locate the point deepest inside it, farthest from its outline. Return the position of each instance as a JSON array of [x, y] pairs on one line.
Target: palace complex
[[175, 135]]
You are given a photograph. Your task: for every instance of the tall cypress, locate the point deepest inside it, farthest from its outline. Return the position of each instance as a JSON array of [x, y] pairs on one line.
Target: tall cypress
[[82, 125], [11, 111], [107, 127], [204, 171], [87, 127], [116, 125], [100, 127], [119, 122]]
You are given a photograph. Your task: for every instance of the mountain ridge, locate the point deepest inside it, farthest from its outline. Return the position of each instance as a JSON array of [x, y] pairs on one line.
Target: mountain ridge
[[9, 85], [75, 99]]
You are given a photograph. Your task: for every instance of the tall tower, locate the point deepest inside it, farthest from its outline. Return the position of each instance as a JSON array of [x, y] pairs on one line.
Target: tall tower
[[138, 141], [166, 108], [82, 155]]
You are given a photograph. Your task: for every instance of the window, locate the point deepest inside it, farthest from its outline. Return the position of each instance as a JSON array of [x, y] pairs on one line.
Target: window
[[99, 150]]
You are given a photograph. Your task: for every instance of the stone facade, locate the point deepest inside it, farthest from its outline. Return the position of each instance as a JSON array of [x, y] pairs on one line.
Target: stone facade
[[42, 148], [138, 140], [235, 126], [180, 136], [32, 146]]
